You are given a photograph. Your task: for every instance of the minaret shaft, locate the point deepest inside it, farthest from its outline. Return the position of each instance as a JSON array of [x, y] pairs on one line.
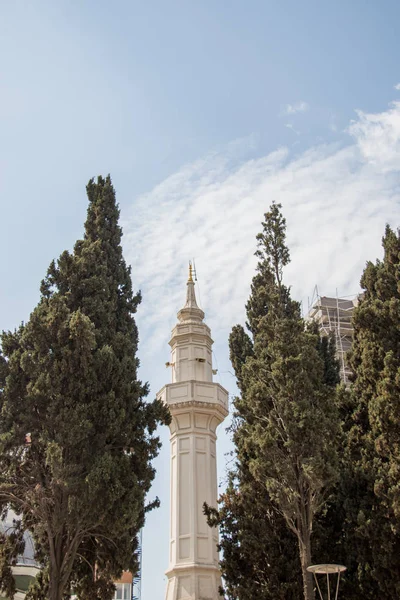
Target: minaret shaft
[[197, 406]]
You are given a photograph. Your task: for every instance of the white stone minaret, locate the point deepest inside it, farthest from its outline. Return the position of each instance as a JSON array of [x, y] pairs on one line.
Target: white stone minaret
[[197, 406]]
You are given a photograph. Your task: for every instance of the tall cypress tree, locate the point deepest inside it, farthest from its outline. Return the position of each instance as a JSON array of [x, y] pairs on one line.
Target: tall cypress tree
[[373, 501], [79, 479], [287, 422], [259, 555]]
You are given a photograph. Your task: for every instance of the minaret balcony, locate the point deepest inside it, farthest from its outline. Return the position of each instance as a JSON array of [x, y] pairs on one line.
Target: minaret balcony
[[196, 393], [191, 332]]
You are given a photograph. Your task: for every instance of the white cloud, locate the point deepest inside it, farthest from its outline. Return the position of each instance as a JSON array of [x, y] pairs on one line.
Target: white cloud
[[292, 109], [336, 199], [397, 86], [377, 136]]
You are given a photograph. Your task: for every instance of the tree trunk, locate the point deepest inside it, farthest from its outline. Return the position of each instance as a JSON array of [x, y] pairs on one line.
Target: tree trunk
[[305, 559], [56, 581], [56, 589], [62, 555]]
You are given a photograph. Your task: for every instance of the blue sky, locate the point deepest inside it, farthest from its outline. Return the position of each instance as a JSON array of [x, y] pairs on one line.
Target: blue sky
[[203, 113]]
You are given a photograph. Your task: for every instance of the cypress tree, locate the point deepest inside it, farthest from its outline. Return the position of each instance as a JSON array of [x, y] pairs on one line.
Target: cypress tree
[[259, 554], [79, 479], [287, 427], [373, 499]]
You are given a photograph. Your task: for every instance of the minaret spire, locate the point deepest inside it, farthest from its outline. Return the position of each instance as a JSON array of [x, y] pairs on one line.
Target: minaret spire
[[190, 271], [191, 311]]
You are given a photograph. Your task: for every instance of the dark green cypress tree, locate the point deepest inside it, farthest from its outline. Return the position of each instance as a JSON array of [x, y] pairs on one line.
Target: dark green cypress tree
[[80, 484], [259, 555], [373, 429], [286, 431]]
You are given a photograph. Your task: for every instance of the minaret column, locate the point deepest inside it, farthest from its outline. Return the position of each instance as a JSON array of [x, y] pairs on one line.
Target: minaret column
[[197, 406]]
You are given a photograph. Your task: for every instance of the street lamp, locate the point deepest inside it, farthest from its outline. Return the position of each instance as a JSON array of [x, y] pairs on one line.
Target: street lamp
[[327, 570]]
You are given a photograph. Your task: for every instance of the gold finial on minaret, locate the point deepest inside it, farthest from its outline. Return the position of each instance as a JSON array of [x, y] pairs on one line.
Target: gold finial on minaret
[[190, 272]]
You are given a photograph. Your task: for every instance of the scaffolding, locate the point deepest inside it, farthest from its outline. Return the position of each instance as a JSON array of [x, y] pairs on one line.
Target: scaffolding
[[334, 315]]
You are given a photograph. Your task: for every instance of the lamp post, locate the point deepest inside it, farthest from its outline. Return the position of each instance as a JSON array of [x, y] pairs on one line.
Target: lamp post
[[327, 570]]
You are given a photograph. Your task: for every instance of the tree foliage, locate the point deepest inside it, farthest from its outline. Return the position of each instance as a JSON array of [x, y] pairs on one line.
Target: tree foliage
[[287, 426], [372, 499], [11, 546], [69, 379], [259, 555]]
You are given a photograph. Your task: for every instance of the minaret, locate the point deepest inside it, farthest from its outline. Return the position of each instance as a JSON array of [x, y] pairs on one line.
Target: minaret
[[197, 406]]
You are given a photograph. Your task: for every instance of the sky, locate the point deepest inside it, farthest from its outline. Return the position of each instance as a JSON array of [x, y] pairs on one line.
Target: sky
[[204, 113]]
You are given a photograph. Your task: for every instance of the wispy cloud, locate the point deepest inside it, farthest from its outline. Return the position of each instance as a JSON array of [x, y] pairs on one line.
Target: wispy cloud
[[290, 126], [336, 199], [297, 107], [378, 138], [397, 86]]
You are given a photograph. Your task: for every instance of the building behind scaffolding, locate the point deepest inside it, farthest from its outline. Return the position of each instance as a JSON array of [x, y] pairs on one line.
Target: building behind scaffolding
[[334, 316]]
